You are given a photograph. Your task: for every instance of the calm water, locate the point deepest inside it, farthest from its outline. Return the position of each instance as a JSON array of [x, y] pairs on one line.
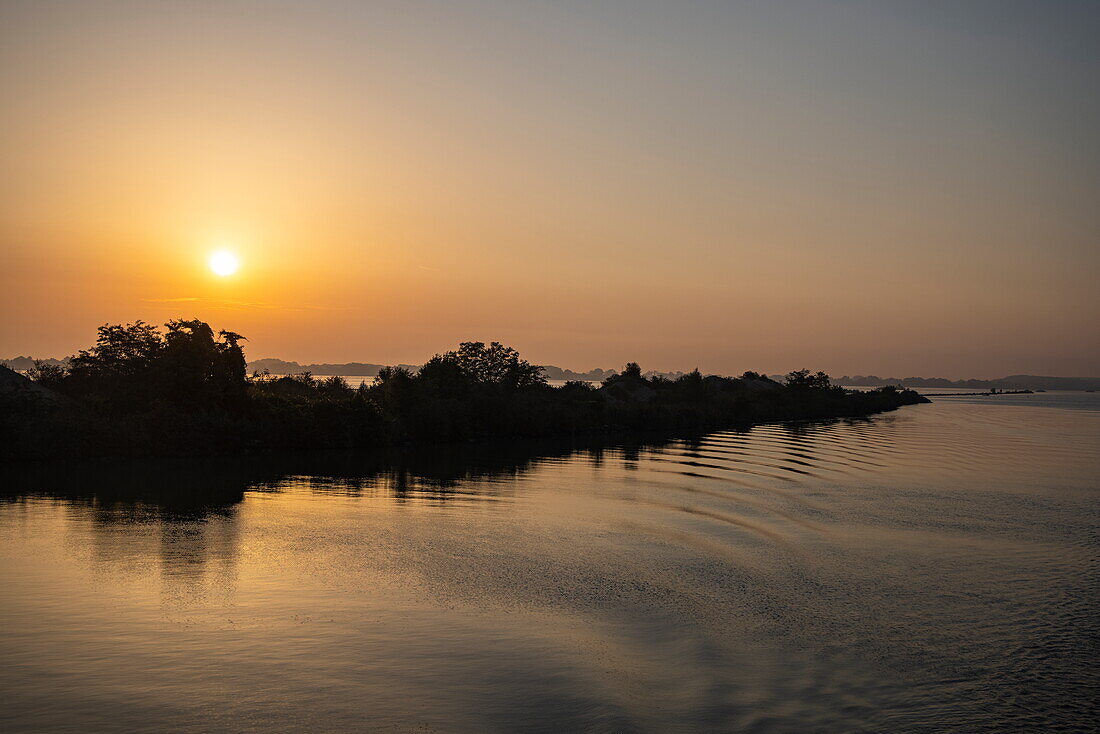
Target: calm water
[[933, 569]]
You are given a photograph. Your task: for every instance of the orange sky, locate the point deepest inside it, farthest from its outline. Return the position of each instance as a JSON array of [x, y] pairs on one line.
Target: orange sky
[[888, 188]]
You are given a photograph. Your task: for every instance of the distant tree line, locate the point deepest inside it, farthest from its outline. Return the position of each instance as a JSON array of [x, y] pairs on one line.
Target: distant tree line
[[142, 390]]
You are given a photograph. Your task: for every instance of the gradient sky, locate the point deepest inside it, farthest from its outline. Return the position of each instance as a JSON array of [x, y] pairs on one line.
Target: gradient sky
[[860, 187]]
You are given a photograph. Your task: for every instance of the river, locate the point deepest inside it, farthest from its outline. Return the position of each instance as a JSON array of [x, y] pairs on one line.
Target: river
[[935, 568]]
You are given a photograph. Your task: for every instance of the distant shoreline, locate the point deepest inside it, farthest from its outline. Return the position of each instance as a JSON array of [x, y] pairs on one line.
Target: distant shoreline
[[978, 394], [280, 367]]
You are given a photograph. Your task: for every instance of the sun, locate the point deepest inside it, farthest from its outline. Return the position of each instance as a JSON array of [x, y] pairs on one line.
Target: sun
[[224, 262]]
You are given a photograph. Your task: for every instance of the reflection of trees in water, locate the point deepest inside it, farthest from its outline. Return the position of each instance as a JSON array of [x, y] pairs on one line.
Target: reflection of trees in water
[[184, 512], [201, 490], [809, 431], [198, 559], [436, 474]]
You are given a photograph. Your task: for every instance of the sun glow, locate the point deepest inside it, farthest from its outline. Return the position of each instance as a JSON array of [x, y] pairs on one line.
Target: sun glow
[[224, 262]]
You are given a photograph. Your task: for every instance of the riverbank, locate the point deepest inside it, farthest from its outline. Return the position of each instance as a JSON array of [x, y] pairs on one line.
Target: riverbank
[[268, 422], [139, 392]]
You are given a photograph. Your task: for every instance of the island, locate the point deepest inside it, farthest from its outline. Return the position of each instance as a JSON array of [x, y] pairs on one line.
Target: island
[[184, 390]]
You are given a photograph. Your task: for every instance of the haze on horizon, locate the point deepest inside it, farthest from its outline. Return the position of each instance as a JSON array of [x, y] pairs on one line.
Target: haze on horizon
[[861, 187]]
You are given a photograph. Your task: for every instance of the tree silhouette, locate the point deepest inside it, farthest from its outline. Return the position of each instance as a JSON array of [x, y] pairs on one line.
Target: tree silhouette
[[806, 380], [493, 364], [141, 390], [120, 349]]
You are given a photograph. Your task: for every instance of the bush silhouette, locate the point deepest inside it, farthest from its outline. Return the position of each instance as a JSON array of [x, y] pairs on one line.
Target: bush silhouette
[[183, 390]]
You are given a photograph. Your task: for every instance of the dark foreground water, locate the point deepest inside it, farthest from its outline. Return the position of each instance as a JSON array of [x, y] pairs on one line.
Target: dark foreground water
[[933, 569]]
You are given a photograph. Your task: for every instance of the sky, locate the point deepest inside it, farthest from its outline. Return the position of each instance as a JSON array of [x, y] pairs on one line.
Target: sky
[[860, 187]]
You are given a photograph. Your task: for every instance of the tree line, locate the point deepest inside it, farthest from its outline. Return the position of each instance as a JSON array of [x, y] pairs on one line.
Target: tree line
[[184, 389]]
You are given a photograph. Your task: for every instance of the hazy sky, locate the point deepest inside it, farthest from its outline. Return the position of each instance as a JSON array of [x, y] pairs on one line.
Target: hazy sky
[[896, 188]]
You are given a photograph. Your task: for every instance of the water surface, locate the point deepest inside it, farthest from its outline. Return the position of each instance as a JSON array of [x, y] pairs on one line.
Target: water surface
[[936, 568]]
